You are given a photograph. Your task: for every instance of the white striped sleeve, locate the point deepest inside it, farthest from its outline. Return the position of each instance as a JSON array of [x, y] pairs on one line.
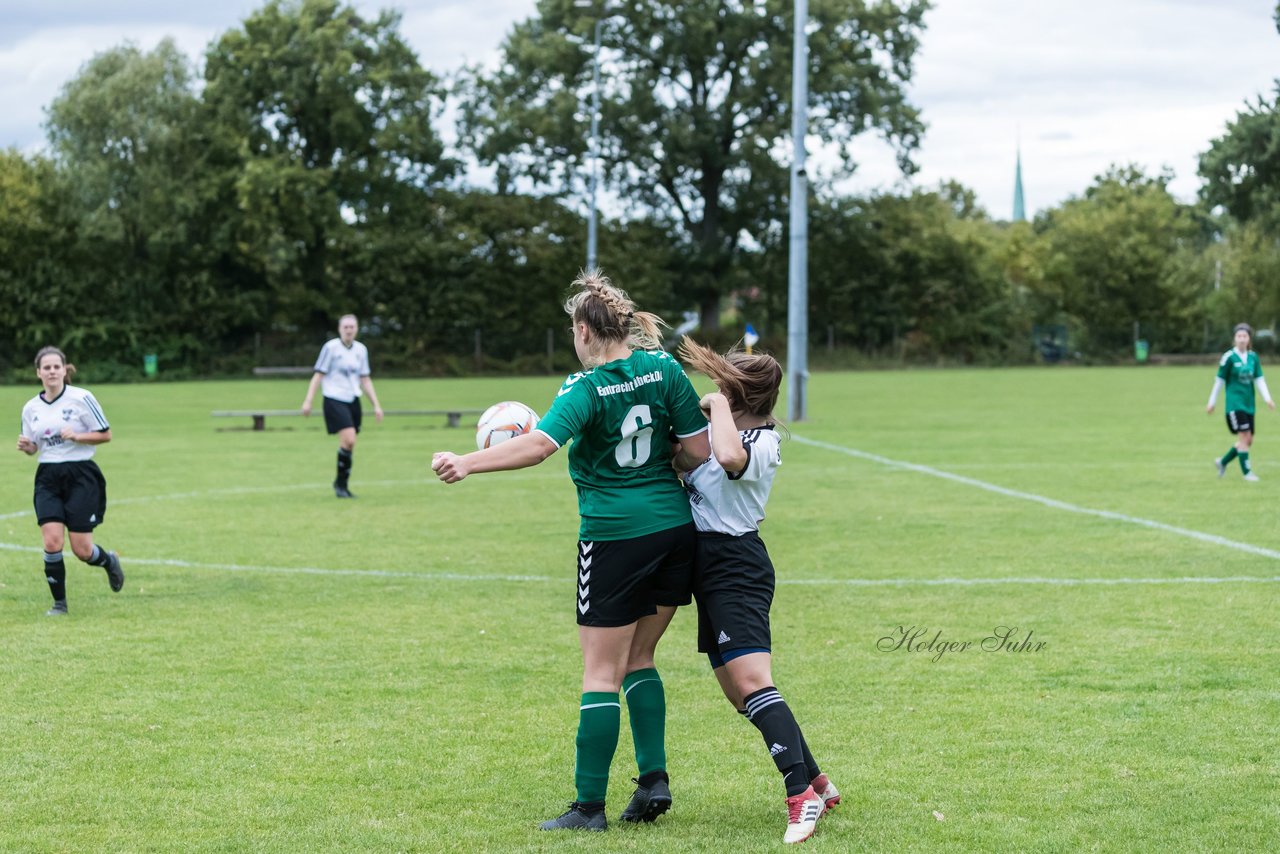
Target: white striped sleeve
[[96, 415]]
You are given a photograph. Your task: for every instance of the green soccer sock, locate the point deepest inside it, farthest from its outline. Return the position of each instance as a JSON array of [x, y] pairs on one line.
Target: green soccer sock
[[647, 709], [1244, 462], [599, 720], [1229, 456]]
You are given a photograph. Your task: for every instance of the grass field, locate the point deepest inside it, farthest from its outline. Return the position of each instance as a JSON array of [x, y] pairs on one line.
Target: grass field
[[287, 672]]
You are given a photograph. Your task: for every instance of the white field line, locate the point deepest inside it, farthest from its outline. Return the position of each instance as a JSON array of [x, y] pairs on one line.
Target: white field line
[[293, 487], [1212, 539], [569, 578], [824, 582]]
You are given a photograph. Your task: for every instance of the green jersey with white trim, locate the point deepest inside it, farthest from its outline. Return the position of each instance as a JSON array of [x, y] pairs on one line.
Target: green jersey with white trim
[[620, 417], [1238, 372]]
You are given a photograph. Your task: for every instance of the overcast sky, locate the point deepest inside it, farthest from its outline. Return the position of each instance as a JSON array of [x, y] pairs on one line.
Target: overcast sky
[[1081, 83]]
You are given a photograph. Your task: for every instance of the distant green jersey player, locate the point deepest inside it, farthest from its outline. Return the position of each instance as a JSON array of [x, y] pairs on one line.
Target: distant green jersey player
[[1239, 372], [636, 540]]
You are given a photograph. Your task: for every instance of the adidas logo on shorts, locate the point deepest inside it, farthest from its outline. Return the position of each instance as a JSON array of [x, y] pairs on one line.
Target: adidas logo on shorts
[[723, 637]]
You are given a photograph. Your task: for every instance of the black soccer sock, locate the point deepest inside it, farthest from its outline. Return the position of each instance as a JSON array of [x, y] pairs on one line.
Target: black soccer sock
[[55, 572], [344, 467], [98, 558], [771, 715], [810, 764]]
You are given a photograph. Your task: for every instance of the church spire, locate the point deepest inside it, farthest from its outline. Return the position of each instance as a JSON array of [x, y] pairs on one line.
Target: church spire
[[1019, 209]]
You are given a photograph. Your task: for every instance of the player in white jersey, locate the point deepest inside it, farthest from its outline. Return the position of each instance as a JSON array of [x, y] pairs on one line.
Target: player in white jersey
[[63, 424], [342, 370], [733, 575]]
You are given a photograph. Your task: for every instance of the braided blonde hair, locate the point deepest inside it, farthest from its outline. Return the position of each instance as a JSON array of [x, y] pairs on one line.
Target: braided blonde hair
[[611, 315]]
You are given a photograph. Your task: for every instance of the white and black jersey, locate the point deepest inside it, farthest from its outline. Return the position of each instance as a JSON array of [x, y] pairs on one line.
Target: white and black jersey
[[733, 502], [43, 420], [342, 367]]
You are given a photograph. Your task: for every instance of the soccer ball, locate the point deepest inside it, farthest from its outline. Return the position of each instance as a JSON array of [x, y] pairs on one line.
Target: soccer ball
[[504, 421]]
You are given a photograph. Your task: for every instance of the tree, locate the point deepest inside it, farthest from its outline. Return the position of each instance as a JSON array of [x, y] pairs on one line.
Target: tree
[[1108, 260], [916, 273], [326, 130], [1241, 169], [37, 228], [125, 139], [695, 113], [123, 125]]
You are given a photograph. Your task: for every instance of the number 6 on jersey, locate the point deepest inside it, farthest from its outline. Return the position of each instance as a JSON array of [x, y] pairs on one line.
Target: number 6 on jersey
[[637, 437]]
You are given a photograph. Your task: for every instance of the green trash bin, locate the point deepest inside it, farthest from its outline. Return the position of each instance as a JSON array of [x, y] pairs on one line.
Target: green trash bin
[[149, 365], [1141, 349]]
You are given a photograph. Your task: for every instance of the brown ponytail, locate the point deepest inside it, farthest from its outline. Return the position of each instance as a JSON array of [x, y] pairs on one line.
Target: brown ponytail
[[749, 381]]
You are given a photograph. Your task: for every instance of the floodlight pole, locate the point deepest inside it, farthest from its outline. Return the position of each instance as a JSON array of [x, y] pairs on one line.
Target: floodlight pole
[[595, 148], [798, 267]]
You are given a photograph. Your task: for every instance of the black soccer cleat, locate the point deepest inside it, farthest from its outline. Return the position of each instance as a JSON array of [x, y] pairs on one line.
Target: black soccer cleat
[[648, 802], [59, 609], [115, 573], [342, 491], [579, 817]]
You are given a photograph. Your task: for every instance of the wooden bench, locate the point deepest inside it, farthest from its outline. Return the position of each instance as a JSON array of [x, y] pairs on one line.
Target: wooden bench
[[453, 416], [284, 371]]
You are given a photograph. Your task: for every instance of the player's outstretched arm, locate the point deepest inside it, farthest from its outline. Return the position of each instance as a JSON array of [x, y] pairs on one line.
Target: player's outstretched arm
[[518, 453]]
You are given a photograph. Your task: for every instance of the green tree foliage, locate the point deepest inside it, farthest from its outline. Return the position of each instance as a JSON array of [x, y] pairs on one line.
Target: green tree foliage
[[913, 275], [324, 122], [1109, 259], [695, 113], [124, 134], [229, 223], [1241, 169], [1249, 280], [37, 229]]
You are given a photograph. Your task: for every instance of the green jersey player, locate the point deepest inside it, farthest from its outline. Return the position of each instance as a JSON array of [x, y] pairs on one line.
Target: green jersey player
[[636, 541], [1239, 371]]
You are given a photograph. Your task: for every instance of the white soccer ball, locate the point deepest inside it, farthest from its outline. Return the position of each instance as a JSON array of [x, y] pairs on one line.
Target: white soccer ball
[[504, 421]]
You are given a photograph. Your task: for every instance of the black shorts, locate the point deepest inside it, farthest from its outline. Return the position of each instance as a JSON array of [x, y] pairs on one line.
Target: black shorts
[[1239, 421], [339, 415], [73, 493], [620, 581], [733, 583]]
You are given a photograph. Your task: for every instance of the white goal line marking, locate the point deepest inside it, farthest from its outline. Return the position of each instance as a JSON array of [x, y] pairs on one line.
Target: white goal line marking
[[824, 582], [569, 578], [431, 482], [1213, 539]]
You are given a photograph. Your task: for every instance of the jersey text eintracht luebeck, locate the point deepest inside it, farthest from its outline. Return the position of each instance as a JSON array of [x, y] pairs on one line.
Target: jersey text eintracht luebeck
[[621, 416]]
